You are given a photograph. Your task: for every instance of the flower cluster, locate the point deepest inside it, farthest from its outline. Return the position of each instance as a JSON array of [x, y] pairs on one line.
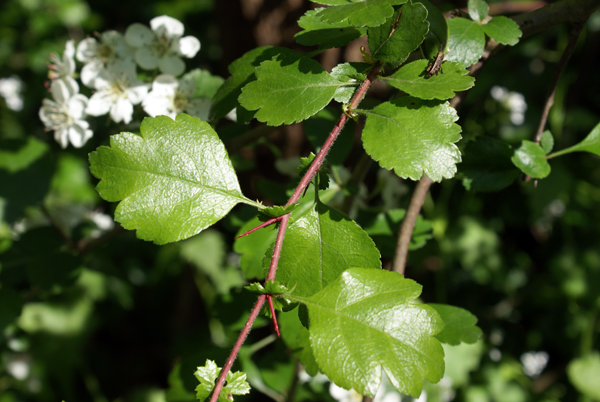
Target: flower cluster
[[110, 61]]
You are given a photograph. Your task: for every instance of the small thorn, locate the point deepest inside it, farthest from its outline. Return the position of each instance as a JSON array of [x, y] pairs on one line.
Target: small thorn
[[270, 300], [262, 225]]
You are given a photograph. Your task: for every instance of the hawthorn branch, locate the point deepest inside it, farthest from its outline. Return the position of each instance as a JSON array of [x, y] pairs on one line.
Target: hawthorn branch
[[306, 179]]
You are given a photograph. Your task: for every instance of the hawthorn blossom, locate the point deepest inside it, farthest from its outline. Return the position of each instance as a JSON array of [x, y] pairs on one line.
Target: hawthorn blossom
[[65, 115], [163, 46], [117, 90], [10, 90], [513, 101], [109, 48], [63, 68], [170, 96]]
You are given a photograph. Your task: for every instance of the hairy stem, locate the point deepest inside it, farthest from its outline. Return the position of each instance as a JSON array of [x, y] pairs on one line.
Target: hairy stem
[[408, 223]]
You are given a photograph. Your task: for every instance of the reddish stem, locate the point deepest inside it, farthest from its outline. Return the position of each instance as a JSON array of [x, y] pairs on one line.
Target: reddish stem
[[262, 225], [312, 170], [270, 300]]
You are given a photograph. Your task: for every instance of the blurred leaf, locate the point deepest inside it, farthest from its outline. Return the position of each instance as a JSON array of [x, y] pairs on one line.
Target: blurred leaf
[[357, 13], [410, 31], [327, 35], [503, 30], [487, 166], [174, 180], [547, 141], [459, 325], [235, 383], [591, 144], [312, 254], [177, 392], [531, 159], [412, 79], [288, 89], [207, 84], [10, 307], [466, 41], [584, 373], [460, 360], [413, 137], [18, 154], [365, 322], [478, 10], [297, 338], [318, 128]]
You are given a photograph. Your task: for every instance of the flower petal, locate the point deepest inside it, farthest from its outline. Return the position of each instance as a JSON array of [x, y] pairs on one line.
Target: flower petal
[[121, 111], [138, 35], [136, 92], [146, 58], [170, 64], [61, 92], [86, 50], [99, 104], [90, 72], [198, 107], [189, 46], [173, 27]]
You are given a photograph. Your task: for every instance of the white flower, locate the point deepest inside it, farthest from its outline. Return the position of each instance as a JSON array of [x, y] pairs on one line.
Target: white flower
[[163, 46], [65, 115], [534, 363], [63, 68], [118, 89], [10, 90], [170, 96], [383, 395], [110, 48], [514, 102]]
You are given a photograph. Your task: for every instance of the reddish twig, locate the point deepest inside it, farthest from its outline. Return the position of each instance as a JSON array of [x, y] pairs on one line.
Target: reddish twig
[[270, 300], [262, 225], [284, 219]]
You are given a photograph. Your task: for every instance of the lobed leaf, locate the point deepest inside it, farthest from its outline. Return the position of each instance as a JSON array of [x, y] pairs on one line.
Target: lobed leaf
[[503, 30], [327, 35], [531, 159], [235, 383], [413, 137], [412, 79], [288, 90], [313, 255], [478, 10], [466, 41], [242, 72], [438, 27], [357, 13], [459, 325], [412, 26], [173, 181], [487, 166], [366, 322]]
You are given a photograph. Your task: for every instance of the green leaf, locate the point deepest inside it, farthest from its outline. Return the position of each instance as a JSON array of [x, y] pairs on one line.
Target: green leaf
[[590, 144], [352, 73], [174, 180], [584, 373], [357, 13], [438, 27], [412, 137], [18, 154], [503, 30], [242, 70], [11, 305], [235, 382], [478, 10], [313, 255], [459, 325], [547, 141], [365, 322], [207, 84], [322, 175], [278, 210], [325, 34], [411, 79], [531, 159], [288, 90], [466, 41], [297, 338], [269, 288], [406, 38], [318, 127], [487, 166]]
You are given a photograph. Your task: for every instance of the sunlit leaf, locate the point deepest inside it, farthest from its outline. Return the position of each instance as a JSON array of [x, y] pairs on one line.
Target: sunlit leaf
[[466, 41], [591, 144], [413, 80], [173, 181], [327, 35], [357, 13], [288, 90], [531, 159], [503, 30], [313, 255], [459, 325], [235, 382], [365, 323], [547, 141], [478, 10], [412, 137]]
